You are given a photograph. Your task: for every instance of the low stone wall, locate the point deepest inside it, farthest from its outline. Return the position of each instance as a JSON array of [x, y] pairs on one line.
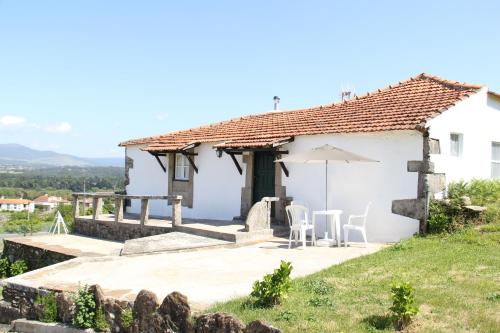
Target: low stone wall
[[173, 314], [34, 257], [116, 231]]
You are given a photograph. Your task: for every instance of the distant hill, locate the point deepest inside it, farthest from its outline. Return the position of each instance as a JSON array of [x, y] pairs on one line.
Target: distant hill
[[19, 155]]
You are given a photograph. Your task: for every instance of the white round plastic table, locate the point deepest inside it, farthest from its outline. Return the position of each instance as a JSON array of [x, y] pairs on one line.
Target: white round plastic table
[[334, 219]]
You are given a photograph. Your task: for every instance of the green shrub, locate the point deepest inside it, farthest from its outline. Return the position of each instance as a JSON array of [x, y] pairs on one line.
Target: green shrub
[[403, 304], [274, 287], [320, 300], [482, 192], [450, 215], [101, 325], [127, 318], [18, 267], [49, 307], [318, 287], [4, 268], [84, 308]]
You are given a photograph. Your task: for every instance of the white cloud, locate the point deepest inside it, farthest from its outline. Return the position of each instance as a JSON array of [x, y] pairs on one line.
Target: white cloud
[[63, 127], [9, 120], [161, 116]]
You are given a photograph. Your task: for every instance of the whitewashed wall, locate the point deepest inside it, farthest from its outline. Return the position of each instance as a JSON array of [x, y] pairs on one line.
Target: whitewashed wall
[[478, 119], [217, 185], [353, 185], [147, 178]]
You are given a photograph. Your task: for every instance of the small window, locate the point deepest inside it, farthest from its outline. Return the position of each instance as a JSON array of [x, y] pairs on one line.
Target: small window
[[181, 167], [495, 160], [456, 143]]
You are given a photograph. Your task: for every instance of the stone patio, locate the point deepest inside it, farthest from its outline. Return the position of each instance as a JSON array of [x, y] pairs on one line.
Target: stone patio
[[206, 276]]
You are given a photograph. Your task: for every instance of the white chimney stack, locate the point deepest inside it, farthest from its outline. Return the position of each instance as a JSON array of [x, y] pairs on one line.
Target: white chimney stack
[[276, 100]]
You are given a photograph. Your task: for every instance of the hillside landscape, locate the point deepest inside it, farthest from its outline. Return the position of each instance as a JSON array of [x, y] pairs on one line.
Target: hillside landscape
[[12, 154]]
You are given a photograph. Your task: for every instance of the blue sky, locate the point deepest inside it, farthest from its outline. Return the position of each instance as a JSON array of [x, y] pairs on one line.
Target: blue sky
[[80, 76]]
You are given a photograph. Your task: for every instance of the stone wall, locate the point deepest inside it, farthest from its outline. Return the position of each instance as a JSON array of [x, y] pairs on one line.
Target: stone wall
[[116, 231], [34, 257], [173, 314]]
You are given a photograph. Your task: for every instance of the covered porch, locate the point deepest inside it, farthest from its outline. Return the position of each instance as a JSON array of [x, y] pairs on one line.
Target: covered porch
[[121, 226]]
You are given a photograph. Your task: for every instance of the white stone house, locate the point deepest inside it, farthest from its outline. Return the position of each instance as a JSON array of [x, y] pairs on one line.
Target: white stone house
[[16, 205], [49, 202], [425, 131]]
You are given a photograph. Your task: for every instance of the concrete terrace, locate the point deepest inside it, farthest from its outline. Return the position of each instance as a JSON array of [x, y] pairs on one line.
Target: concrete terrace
[[206, 276]]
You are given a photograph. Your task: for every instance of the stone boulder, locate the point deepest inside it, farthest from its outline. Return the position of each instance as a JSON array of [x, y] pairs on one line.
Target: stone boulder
[[175, 309], [145, 312], [258, 326], [113, 310], [218, 323], [96, 290]]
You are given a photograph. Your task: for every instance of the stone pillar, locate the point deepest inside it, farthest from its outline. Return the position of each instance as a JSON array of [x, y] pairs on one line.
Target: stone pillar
[[176, 210], [76, 207], [144, 211], [118, 209], [96, 208]]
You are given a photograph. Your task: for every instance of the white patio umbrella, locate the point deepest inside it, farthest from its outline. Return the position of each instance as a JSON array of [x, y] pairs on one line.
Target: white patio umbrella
[[324, 154]]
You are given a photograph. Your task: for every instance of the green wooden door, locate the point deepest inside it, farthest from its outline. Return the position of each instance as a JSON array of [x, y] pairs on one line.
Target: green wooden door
[[263, 175]]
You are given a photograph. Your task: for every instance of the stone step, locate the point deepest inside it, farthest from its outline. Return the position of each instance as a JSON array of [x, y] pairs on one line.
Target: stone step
[[170, 242]]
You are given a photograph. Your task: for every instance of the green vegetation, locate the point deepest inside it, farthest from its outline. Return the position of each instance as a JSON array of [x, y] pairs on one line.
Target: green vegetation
[[4, 268], [127, 318], [403, 304], [101, 325], [84, 308], [49, 307], [450, 214], [455, 277], [28, 223], [274, 287], [64, 178], [18, 267]]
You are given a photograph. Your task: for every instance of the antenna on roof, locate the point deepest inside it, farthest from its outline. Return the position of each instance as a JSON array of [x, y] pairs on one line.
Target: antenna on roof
[[346, 92]]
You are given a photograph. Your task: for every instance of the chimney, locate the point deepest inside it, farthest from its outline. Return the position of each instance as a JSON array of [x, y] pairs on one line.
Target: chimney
[[276, 100]]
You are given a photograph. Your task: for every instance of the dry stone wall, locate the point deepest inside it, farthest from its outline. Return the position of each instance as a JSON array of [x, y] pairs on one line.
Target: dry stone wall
[[116, 231], [172, 315], [34, 257]]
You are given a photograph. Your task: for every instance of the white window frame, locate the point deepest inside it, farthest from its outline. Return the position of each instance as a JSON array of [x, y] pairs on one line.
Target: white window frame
[[494, 161], [181, 167], [460, 136]]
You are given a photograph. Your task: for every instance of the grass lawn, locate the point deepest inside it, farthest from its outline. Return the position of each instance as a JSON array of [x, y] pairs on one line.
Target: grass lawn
[[456, 279]]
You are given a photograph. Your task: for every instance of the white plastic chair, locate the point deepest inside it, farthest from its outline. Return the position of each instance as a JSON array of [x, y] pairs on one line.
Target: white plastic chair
[[298, 219], [358, 223]]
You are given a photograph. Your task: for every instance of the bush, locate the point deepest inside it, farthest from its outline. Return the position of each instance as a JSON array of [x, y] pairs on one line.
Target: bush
[[450, 214], [4, 268], [84, 308], [49, 307], [274, 287], [318, 287], [101, 325], [403, 304], [482, 192], [127, 318], [18, 267]]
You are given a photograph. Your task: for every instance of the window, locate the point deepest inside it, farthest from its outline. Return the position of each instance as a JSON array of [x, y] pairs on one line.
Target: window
[[181, 167], [495, 160], [456, 143]]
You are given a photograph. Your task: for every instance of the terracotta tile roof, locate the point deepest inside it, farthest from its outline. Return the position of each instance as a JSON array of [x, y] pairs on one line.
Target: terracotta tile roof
[[49, 199], [407, 105], [15, 201]]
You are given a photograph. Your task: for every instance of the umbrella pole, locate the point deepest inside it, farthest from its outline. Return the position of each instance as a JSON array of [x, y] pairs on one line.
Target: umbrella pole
[[326, 185]]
